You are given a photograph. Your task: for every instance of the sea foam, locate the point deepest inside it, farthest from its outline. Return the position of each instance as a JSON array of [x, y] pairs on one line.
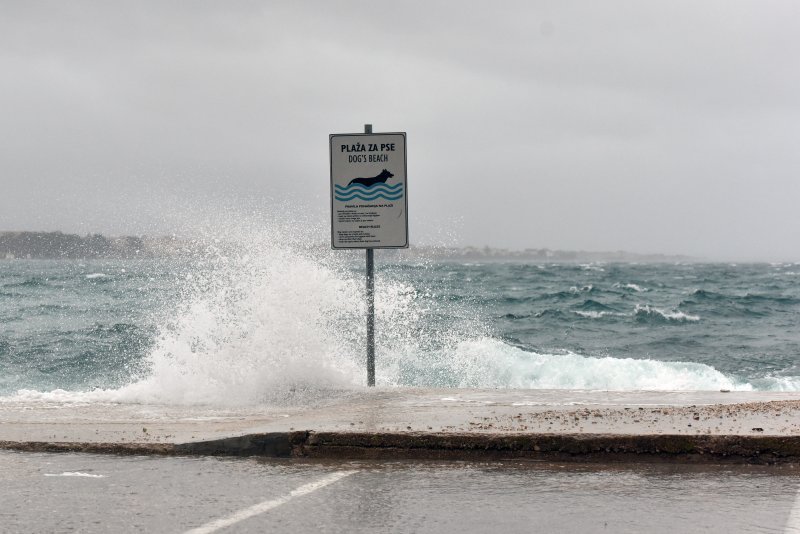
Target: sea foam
[[490, 363]]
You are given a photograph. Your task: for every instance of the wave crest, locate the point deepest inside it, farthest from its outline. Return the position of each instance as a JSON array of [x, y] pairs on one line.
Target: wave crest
[[649, 314], [489, 363]]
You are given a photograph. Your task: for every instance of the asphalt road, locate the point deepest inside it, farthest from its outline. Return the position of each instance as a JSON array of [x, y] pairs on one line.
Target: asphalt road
[[94, 493]]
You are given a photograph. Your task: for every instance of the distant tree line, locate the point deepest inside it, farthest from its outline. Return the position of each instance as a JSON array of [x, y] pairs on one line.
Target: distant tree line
[[53, 245], [533, 254]]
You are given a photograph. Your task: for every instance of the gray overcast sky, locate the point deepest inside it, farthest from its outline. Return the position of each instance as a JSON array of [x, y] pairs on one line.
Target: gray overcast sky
[[646, 126]]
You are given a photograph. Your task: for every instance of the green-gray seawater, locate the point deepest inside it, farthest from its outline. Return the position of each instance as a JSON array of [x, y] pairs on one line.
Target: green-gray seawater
[[245, 329]]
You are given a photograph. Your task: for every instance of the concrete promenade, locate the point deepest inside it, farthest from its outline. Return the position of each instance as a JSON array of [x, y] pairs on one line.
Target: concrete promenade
[[743, 427]]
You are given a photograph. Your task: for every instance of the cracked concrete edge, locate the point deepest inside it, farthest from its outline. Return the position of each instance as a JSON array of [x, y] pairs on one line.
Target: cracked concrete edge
[[98, 448], [444, 446], [562, 447]]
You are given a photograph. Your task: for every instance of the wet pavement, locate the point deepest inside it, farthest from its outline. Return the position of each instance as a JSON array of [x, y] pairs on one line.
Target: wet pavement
[[42, 492], [404, 410], [750, 427]]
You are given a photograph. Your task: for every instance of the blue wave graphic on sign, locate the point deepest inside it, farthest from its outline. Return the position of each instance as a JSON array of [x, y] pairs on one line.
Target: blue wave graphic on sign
[[371, 192]]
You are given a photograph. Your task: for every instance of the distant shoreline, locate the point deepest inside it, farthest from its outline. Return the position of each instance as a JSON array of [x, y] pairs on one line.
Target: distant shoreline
[[59, 245], [542, 255]]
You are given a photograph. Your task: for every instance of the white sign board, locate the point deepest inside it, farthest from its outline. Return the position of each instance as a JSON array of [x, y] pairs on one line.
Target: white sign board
[[369, 197]]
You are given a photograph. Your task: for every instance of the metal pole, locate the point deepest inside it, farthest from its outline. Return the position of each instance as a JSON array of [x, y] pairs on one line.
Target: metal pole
[[370, 318], [370, 305]]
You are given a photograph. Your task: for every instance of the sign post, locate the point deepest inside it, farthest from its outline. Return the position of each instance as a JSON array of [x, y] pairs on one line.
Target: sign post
[[369, 204]]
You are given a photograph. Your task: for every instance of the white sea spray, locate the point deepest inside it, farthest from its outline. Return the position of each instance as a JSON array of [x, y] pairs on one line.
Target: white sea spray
[[267, 315]]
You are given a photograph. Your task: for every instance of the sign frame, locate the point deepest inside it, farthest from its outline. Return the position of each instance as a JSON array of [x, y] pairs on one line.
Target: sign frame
[[363, 138]]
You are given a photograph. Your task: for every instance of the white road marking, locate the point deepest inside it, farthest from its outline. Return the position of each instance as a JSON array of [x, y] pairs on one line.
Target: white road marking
[[265, 506], [73, 474], [793, 523]]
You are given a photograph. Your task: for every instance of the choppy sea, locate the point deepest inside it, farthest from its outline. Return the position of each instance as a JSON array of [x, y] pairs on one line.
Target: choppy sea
[[261, 326]]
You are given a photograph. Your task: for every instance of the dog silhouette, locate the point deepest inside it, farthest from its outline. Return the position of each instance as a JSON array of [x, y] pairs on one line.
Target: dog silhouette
[[369, 182]]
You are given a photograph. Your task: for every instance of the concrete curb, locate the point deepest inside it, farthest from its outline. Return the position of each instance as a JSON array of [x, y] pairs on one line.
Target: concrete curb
[[454, 446], [569, 447], [90, 447]]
